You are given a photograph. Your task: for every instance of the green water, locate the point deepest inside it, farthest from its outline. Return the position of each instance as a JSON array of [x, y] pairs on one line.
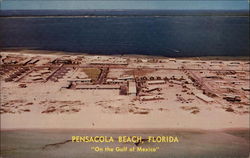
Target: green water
[[192, 144]]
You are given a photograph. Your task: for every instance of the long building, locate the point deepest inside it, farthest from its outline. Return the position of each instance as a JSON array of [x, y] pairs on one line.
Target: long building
[[80, 86], [156, 82], [132, 90]]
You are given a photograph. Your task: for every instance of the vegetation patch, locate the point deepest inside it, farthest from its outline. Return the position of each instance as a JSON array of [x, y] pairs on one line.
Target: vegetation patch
[[92, 73]]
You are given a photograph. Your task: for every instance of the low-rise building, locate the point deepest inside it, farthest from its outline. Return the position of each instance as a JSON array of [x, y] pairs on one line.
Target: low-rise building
[[151, 97], [111, 81], [132, 89], [62, 61], [204, 98], [156, 82], [245, 88], [85, 80], [126, 78], [107, 87]]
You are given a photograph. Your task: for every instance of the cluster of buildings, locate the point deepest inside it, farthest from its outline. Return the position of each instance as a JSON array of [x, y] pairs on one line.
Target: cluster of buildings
[[226, 79]]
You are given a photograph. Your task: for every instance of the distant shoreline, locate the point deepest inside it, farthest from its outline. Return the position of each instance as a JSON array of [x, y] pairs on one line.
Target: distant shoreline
[[120, 13], [31, 51], [114, 16]]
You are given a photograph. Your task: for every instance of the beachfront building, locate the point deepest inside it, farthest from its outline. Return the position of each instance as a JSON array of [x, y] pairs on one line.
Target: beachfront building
[[62, 61], [132, 90]]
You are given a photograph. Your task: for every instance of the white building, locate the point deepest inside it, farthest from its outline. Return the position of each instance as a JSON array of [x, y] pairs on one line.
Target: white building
[[132, 88], [156, 82]]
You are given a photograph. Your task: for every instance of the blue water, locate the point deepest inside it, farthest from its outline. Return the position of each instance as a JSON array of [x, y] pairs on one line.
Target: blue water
[[148, 35]]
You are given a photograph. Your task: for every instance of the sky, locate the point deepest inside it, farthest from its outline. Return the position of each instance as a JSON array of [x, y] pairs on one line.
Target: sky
[[125, 4]]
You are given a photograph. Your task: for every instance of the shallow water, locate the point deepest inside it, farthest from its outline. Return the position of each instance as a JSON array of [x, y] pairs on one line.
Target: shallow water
[[192, 144]]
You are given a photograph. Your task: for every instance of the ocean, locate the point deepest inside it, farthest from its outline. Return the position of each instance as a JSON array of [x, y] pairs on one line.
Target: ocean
[[172, 33]]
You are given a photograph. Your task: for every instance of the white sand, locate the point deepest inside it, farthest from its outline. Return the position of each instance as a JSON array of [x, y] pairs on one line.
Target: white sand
[[92, 115], [108, 109]]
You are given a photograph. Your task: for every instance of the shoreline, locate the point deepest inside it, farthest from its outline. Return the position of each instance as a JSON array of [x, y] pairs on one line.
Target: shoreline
[[114, 16], [64, 53]]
